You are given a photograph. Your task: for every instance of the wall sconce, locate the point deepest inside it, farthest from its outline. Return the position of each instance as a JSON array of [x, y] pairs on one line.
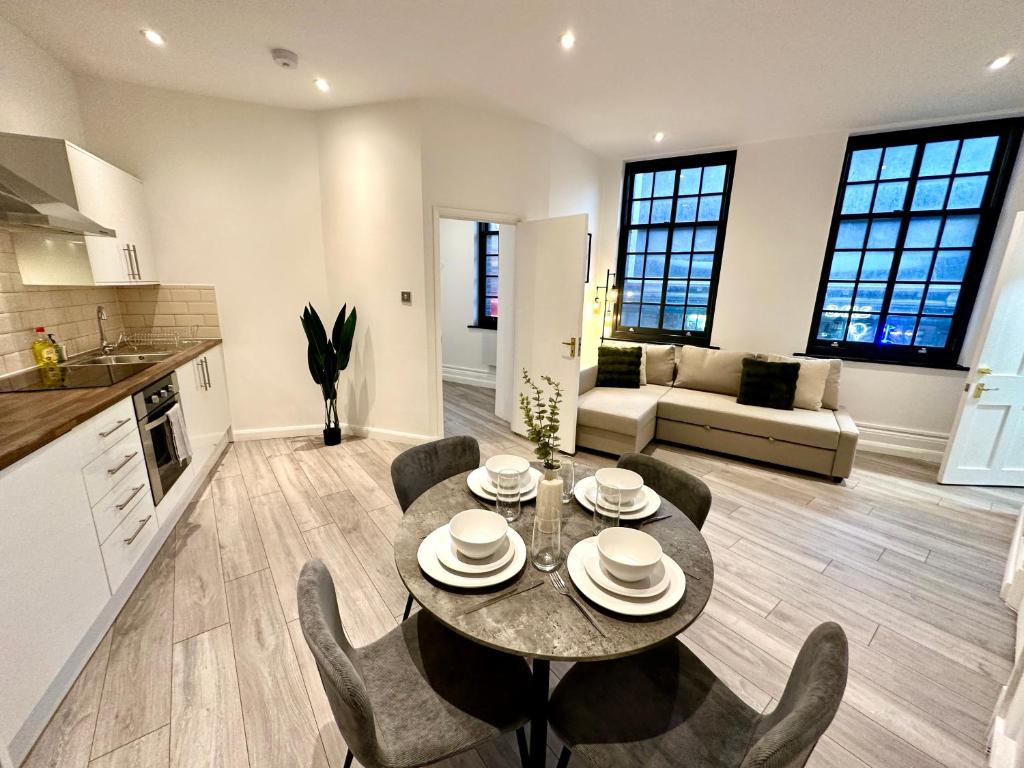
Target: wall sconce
[[605, 295]]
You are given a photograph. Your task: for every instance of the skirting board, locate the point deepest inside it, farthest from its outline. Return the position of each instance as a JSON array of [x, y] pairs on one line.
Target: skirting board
[[308, 430], [899, 441], [472, 376]]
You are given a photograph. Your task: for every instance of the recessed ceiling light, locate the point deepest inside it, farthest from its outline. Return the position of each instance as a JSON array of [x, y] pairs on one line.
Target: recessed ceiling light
[[568, 39], [659, 137], [322, 85], [1001, 62], [153, 36]]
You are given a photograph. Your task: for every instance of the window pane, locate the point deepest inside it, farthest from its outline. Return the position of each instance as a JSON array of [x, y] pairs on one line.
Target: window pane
[[661, 211], [898, 162], [686, 209], [655, 266], [696, 319], [906, 298], [705, 240], [679, 266], [839, 296], [714, 179], [698, 293], [682, 239], [876, 265], [689, 181], [664, 181], [492, 307], [634, 265], [858, 198], [492, 286], [630, 315], [933, 332], [673, 319], [641, 212], [950, 265], [862, 328], [675, 293], [890, 196], [851, 235], [864, 165], [914, 265], [922, 232], [649, 316], [930, 194], [938, 158], [637, 241], [941, 299], [869, 297], [845, 265], [657, 240], [976, 155], [701, 266], [491, 266], [643, 185], [959, 231], [710, 208], [883, 233], [898, 329], [967, 192], [652, 292], [631, 290], [832, 326]]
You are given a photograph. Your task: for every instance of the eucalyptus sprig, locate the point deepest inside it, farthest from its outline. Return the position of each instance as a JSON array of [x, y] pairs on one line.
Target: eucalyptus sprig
[[541, 418]]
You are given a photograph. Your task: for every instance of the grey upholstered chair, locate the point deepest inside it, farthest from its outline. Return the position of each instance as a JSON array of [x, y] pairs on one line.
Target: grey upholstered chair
[[419, 694], [665, 708], [424, 466], [688, 493]]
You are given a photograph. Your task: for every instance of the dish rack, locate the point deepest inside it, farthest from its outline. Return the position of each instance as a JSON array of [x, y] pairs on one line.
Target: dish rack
[[160, 336]]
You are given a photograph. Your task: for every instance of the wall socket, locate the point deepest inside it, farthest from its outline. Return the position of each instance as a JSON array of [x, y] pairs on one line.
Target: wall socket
[[407, 297]]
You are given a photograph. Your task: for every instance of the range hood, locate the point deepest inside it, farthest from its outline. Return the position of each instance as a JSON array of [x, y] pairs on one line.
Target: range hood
[[37, 191]]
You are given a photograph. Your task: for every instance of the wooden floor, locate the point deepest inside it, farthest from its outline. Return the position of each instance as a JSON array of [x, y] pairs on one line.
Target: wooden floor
[[206, 665]]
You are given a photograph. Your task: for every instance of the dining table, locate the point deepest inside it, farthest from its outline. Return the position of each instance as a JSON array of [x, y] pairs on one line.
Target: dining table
[[542, 624]]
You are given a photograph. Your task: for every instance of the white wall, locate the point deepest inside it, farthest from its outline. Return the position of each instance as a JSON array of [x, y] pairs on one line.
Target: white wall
[[467, 354], [233, 194]]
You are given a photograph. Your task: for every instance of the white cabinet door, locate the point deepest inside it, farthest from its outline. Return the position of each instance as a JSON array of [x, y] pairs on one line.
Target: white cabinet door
[[204, 399]]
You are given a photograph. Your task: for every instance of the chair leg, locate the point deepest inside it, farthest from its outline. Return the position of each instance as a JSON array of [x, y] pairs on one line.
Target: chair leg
[[408, 608], [563, 759], [348, 759], [524, 752]]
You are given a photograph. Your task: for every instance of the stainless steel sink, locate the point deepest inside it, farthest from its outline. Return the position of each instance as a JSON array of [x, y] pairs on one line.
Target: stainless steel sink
[[121, 359]]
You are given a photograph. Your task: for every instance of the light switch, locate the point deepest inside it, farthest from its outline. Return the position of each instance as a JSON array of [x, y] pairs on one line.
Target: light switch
[[407, 297]]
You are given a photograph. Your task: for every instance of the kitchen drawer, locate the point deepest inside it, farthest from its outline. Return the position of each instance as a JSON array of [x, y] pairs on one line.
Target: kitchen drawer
[[105, 429], [107, 470], [112, 508], [128, 541]]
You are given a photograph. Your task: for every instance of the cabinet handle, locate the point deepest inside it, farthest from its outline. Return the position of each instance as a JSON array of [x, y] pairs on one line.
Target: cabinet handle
[[119, 467], [126, 502], [142, 524], [206, 373], [128, 261], [135, 259], [114, 428]]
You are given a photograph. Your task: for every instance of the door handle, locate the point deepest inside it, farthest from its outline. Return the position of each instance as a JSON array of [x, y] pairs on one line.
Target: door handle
[[980, 388], [571, 344], [984, 371]]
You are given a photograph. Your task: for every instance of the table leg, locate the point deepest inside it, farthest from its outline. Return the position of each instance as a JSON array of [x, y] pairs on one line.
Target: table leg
[[539, 709]]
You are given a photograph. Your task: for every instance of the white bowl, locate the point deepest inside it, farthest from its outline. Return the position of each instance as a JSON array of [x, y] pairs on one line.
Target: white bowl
[[477, 533], [629, 483], [628, 554], [496, 464]]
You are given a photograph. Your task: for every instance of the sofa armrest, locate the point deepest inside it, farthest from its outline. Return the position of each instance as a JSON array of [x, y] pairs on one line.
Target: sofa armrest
[[847, 449], [588, 378]]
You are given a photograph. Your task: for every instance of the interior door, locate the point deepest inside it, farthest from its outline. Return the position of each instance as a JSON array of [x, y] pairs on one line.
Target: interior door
[[548, 306], [986, 446]]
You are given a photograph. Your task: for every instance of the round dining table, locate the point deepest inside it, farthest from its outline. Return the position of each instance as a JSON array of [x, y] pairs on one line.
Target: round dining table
[[540, 623]]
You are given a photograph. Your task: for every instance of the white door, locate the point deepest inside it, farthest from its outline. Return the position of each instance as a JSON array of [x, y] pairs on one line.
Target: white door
[[986, 446], [548, 306]]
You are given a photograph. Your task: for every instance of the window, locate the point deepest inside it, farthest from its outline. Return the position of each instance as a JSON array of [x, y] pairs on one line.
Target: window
[[487, 275], [912, 226], [674, 212]]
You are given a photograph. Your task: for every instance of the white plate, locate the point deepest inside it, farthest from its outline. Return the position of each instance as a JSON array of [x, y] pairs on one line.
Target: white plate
[[479, 482], [528, 483], [652, 586], [427, 558], [634, 506], [627, 606], [584, 488], [454, 560]]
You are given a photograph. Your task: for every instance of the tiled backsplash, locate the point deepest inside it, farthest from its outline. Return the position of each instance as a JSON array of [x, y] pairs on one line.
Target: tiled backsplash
[[70, 313]]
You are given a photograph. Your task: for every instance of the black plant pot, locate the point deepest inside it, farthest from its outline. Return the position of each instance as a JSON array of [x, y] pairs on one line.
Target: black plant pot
[[332, 436]]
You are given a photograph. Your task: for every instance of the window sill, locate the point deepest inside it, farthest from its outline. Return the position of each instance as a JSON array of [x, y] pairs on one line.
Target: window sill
[[904, 363], [483, 327]]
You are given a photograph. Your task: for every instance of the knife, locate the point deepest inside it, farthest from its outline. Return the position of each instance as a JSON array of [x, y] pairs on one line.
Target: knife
[[494, 600]]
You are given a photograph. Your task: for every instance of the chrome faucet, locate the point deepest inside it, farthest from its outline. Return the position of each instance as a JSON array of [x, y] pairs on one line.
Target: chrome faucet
[[105, 346]]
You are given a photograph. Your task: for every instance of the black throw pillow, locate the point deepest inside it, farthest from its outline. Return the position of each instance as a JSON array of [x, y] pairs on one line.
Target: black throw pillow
[[771, 385], [620, 367]]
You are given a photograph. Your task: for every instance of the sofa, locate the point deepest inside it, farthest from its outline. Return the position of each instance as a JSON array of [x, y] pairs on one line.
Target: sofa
[[696, 406]]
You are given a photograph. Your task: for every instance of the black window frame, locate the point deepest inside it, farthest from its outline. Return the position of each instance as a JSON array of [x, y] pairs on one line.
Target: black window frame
[[1009, 132], [678, 163], [483, 231]]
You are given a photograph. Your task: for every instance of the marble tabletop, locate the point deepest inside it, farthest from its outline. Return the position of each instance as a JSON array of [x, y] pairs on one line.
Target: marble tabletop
[[542, 623]]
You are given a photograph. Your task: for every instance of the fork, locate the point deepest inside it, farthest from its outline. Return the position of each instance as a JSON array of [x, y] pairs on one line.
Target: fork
[[559, 584]]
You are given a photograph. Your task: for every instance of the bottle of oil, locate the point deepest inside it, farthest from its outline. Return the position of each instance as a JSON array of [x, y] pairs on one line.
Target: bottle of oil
[[44, 350]]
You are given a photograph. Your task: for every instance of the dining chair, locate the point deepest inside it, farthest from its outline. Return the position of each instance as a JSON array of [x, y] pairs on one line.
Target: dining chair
[[424, 466], [419, 694], [687, 493], [664, 707]]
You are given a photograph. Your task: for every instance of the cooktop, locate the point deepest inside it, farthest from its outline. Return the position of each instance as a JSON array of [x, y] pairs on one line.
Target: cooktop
[[69, 377]]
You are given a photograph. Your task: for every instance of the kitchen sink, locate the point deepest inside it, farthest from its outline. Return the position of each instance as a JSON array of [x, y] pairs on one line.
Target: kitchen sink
[[121, 359]]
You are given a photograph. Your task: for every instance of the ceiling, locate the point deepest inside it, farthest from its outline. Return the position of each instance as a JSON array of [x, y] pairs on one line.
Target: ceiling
[[706, 72]]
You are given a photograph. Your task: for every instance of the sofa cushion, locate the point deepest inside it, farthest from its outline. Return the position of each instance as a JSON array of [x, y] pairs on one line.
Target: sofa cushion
[[771, 385], [618, 367], [709, 370], [815, 376], [815, 428], [619, 410], [661, 364], [631, 345]]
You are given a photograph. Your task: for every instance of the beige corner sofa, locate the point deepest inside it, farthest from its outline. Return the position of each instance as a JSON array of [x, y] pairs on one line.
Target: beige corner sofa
[[696, 406]]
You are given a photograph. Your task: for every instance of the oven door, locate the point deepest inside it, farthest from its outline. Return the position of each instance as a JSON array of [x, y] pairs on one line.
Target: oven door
[[158, 447]]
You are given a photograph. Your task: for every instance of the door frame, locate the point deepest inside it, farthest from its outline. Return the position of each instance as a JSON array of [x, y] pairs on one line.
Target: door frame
[[436, 398]]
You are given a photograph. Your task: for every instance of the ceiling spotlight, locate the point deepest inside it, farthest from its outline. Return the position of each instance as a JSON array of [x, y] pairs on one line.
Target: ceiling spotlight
[[568, 39], [659, 137], [322, 85], [1001, 62], [152, 36]]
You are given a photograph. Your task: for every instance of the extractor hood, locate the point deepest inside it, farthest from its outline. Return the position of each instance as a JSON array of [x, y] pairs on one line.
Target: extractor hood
[[37, 191]]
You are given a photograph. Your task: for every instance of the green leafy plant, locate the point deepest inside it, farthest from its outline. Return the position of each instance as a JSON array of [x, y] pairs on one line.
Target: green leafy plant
[[327, 358], [541, 417]]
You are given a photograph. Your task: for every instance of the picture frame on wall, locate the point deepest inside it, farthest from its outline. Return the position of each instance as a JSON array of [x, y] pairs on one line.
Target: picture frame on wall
[[586, 272]]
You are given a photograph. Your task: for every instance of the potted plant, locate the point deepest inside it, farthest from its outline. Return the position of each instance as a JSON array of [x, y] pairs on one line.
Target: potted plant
[[327, 358], [541, 417]]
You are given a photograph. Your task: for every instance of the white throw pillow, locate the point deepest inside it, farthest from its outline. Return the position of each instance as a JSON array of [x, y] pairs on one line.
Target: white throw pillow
[[643, 355], [810, 384]]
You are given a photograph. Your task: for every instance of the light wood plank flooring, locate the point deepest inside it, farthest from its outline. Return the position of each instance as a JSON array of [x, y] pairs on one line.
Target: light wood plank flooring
[[206, 665]]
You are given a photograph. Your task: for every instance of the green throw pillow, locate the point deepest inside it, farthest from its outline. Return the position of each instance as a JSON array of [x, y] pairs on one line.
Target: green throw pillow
[[619, 366], [771, 385]]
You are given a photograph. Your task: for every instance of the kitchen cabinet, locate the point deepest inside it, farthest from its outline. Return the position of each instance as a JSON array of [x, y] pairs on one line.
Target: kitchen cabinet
[[204, 399]]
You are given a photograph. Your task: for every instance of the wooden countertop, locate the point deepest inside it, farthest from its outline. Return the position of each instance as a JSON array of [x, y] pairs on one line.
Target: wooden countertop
[[30, 420]]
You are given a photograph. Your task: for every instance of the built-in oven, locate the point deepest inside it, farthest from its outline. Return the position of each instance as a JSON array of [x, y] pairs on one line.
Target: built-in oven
[[165, 460]]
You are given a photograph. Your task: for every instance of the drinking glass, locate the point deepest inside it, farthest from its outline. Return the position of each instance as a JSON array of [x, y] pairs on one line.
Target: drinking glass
[[567, 472], [546, 545], [508, 495], [607, 507]]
